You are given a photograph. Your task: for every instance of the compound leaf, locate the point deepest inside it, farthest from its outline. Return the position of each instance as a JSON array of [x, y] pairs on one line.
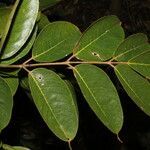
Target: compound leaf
[[101, 95], [55, 41], [100, 40], [55, 102], [137, 87]]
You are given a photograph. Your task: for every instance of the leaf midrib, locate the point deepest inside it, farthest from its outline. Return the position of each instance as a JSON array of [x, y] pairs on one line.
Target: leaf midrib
[[138, 64], [104, 114], [128, 51], [93, 41], [49, 106], [38, 55], [133, 58], [129, 86]]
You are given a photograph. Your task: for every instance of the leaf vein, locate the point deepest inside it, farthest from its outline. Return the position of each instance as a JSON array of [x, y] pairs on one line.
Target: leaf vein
[[120, 55], [138, 55], [49, 49]]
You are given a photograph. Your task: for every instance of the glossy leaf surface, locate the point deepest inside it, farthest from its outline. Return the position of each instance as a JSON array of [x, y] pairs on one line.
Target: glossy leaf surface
[[8, 23], [137, 87], [4, 15], [55, 41], [101, 95], [54, 102], [6, 103], [24, 50], [22, 27], [100, 40], [131, 47]]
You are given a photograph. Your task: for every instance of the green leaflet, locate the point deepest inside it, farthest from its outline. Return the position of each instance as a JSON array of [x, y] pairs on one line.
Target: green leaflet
[[55, 102], [101, 95], [135, 51], [100, 40], [42, 22], [24, 50], [11, 78], [8, 24], [135, 85], [4, 15], [131, 47], [141, 63], [55, 41], [47, 3], [13, 83], [6, 104], [21, 28]]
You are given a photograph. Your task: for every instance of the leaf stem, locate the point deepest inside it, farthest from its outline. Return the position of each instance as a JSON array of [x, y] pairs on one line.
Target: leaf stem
[[28, 61], [70, 57], [119, 139], [69, 144]]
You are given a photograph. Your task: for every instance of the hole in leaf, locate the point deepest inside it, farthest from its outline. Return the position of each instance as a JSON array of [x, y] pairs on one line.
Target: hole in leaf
[[96, 54], [40, 77]]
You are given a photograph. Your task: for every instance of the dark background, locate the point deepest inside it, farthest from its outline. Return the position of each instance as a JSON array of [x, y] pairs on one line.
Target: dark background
[[27, 127]]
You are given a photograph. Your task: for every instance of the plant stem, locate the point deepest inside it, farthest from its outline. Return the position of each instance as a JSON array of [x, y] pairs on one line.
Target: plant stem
[[10, 66], [24, 65], [72, 62], [70, 58]]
